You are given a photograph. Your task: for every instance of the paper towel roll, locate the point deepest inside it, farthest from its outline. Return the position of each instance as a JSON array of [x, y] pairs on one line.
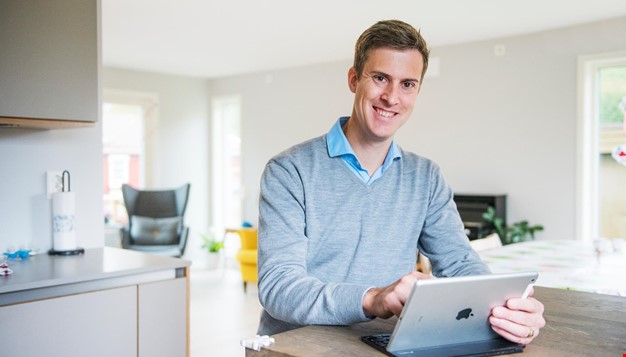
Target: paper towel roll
[[63, 212]]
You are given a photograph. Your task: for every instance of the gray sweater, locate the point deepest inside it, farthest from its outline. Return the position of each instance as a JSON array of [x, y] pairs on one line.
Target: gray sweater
[[325, 237]]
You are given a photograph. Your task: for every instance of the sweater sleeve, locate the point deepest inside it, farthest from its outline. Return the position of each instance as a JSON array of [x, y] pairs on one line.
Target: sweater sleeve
[[286, 291], [443, 239]]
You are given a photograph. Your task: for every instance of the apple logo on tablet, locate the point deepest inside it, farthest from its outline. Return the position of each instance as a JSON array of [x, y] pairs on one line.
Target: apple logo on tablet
[[464, 314]]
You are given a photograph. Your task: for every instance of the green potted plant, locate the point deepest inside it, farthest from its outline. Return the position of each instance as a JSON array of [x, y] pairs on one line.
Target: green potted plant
[[213, 246], [515, 233]]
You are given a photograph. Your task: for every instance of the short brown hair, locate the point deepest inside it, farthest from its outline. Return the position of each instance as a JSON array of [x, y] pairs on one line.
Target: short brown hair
[[394, 34]]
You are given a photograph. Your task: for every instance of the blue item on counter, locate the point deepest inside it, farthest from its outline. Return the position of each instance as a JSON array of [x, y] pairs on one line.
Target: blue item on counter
[[22, 254]]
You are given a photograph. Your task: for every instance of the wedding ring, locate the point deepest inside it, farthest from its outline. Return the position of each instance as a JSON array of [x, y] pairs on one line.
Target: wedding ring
[[531, 333]]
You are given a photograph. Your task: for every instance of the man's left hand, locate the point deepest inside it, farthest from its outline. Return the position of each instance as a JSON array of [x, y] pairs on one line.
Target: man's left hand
[[519, 321]]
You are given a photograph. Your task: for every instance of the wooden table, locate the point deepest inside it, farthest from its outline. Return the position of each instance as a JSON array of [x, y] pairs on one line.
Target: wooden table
[[578, 324]]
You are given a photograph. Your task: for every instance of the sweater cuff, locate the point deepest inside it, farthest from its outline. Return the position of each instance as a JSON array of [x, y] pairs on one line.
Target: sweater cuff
[[368, 317]]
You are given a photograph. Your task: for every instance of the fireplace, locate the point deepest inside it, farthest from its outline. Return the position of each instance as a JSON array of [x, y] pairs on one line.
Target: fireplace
[[471, 208]]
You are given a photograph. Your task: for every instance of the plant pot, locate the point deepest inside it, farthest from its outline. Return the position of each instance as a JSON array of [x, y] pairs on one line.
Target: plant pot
[[214, 260]]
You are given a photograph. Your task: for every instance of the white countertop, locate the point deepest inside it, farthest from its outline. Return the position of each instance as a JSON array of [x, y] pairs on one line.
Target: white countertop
[[564, 264], [44, 275]]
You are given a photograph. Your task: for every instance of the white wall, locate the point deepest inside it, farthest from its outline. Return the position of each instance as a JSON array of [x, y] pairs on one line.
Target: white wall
[[180, 143], [508, 124], [25, 211], [280, 109], [495, 124]]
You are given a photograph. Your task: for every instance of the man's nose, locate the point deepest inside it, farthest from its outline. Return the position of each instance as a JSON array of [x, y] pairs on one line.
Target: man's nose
[[390, 95]]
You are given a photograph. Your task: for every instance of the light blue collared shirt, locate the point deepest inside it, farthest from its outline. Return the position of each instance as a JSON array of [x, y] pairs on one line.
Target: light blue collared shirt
[[338, 145]]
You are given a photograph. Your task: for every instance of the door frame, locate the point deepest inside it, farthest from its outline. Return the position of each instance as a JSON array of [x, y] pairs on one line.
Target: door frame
[[587, 148]]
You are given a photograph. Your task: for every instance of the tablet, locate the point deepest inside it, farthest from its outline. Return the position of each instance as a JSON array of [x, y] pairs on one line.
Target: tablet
[[449, 316]]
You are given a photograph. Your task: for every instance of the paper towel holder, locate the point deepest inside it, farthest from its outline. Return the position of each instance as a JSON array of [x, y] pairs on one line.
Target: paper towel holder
[[78, 250]]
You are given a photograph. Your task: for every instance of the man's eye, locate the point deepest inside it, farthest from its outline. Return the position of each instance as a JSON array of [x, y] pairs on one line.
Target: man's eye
[[379, 78], [408, 85]]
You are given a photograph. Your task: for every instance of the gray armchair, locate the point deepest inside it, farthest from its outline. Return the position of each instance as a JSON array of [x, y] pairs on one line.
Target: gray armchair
[[155, 220]]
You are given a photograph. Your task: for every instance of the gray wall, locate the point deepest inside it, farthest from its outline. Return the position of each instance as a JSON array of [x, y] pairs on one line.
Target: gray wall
[[495, 124]]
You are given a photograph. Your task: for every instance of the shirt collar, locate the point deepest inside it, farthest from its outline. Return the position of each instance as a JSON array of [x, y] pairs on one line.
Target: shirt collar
[[336, 140], [338, 145]]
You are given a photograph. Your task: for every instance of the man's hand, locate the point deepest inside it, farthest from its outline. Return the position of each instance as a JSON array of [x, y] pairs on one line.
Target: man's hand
[[519, 321], [388, 301]]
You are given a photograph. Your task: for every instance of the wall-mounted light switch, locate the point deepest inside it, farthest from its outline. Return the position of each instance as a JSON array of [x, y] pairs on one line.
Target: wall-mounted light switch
[[54, 182]]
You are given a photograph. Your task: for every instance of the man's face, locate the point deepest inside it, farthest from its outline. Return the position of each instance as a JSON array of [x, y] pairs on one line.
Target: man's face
[[385, 93]]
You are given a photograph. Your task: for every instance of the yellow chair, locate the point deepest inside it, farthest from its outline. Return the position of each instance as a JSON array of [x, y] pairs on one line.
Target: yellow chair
[[247, 255]]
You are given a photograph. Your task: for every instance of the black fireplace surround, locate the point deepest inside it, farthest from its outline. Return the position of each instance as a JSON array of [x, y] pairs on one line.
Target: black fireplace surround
[[471, 208]]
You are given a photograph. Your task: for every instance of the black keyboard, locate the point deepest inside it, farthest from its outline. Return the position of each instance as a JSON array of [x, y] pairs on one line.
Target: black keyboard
[[379, 341], [494, 347]]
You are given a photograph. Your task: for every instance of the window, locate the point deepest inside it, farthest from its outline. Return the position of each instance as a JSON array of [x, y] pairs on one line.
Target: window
[[611, 95], [122, 143], [128, 124], [226, 168], [612, 91], [601, 194]]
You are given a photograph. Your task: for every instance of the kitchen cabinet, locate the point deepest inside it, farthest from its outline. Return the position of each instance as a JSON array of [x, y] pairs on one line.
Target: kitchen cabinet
[[162, 317], [95, 324], [107, 302], [50, 63]]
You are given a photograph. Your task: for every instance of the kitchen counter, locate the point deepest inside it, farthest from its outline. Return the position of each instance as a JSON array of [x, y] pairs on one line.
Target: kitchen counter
[[44, 276], [105, 302]]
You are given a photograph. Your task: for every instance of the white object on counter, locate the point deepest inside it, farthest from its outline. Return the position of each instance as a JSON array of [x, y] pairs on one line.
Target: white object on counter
[[257, 342], [63, 213], [5, 270]]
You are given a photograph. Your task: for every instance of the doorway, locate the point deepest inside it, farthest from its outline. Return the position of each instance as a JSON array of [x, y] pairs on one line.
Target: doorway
[[601, 193], [226, 164], [127, 127]]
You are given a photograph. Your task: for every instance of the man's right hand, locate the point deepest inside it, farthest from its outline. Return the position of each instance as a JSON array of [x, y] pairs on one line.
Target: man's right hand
[[388, 301]]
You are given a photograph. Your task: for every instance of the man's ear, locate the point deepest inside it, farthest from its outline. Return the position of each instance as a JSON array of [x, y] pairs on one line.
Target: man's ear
[[352, 79]]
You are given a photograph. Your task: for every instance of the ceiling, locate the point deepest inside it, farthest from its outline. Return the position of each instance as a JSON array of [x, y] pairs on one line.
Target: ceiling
[[208, 38]]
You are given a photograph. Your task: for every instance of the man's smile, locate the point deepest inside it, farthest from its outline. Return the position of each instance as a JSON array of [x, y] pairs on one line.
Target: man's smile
[[384, 113]]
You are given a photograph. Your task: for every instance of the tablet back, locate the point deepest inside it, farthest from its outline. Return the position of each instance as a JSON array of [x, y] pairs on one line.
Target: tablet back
[[452, 311]]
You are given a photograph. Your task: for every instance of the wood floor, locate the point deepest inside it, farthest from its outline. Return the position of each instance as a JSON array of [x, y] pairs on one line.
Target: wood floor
[[221, 314]]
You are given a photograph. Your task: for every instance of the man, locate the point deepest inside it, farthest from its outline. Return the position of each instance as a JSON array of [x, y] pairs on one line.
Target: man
[[341, 215]]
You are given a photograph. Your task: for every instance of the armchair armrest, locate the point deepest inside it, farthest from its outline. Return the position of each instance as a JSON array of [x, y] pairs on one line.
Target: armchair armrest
[[183, 239], [125, 237]]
